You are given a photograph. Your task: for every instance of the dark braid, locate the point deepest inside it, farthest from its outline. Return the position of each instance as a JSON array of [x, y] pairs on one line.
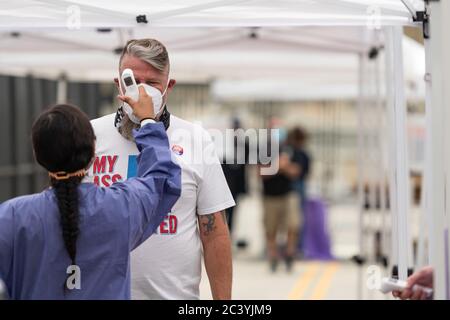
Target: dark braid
[[66, 192]]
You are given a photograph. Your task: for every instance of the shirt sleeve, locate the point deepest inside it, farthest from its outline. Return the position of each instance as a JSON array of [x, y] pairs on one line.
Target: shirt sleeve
[[148, 198], [6, 239], [213, 193]]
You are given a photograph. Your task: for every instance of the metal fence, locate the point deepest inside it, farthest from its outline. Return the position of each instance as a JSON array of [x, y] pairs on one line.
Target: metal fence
[[21, 101]]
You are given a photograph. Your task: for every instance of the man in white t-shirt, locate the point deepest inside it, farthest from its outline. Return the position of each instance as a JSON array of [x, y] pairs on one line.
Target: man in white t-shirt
[[168, 265]]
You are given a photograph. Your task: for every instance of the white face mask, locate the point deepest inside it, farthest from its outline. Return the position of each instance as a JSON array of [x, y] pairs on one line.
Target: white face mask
[[157, 98]]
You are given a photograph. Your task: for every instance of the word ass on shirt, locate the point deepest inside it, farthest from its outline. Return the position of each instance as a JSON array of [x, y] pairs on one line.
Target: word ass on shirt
[[105, 175]]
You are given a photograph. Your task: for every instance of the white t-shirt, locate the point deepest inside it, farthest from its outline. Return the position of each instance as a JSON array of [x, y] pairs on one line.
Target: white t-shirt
[[168, 264]]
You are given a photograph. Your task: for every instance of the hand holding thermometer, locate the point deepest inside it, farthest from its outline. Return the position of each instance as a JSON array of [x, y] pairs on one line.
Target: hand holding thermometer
[[390, 284], [131, 90], [137, 103]]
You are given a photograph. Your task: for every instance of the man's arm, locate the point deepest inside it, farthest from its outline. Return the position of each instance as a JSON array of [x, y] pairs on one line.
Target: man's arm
[[285, 166], [217, 253], [289, 168]]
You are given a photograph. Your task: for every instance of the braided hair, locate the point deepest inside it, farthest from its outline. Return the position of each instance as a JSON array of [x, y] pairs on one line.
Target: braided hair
[[67, 195], [63, 140]]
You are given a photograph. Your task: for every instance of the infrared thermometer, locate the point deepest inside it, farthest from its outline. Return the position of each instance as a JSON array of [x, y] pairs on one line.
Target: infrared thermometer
[[131, 87], [390, 284]]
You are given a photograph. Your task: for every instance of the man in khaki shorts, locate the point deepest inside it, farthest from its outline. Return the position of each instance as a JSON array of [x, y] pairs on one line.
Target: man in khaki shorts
[[281, 210]]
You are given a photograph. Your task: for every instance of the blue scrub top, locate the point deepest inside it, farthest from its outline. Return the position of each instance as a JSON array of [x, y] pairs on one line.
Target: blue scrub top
[[112, 222]]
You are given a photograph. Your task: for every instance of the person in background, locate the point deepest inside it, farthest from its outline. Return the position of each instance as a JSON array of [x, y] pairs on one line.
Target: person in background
[[281, 203], [297, 139], [73, 240], [236, 172]]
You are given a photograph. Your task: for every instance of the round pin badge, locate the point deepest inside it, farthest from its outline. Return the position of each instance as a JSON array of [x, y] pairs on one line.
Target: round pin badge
[[177, 149]]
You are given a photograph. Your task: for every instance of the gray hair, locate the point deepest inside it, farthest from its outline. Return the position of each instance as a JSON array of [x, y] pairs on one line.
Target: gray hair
[[149, 50]]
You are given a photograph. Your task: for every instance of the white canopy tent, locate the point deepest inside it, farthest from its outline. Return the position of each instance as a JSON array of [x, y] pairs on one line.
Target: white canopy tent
[[35, 33], [224, 41], [48, 28], [31, 14]]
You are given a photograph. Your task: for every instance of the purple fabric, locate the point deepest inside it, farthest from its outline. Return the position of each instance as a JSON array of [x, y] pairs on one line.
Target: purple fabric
[[316, 239]]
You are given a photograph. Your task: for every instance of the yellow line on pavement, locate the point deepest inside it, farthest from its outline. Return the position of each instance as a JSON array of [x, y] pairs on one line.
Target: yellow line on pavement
[[324, 283], [304, 281]]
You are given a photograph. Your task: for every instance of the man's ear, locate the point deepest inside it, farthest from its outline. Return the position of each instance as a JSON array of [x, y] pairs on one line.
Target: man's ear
[[172, 83], [116, 81]]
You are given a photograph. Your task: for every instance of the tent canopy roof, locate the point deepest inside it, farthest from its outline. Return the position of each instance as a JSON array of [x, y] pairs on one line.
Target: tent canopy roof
[[32, 14], [197, 54], [208, 40]]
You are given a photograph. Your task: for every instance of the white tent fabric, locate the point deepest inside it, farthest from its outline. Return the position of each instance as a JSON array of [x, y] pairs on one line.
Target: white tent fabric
[[321, 76], [208, 40], [323, 61], [202, 53], [31, 14]]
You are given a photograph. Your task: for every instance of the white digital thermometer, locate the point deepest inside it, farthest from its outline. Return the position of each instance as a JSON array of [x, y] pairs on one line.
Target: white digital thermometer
[[390, 284], [132, 91], [131, 87]]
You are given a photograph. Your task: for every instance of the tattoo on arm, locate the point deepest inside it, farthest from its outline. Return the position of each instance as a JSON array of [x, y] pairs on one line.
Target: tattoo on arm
[[208, 222]]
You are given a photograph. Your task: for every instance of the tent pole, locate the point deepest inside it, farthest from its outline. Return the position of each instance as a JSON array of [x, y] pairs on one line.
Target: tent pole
[[446, 103], [437, 172], [361, 135], [390, 101], [427, 196], [425, 252], [381, 155], [410, 8], [428, 171], [374, 155], [402, 166]]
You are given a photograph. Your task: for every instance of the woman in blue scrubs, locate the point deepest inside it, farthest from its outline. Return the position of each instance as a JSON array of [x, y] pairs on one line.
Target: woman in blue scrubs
[[73, 240]]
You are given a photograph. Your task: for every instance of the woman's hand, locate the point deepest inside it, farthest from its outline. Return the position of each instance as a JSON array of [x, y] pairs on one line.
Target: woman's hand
[[143, 108], [423, 277]]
